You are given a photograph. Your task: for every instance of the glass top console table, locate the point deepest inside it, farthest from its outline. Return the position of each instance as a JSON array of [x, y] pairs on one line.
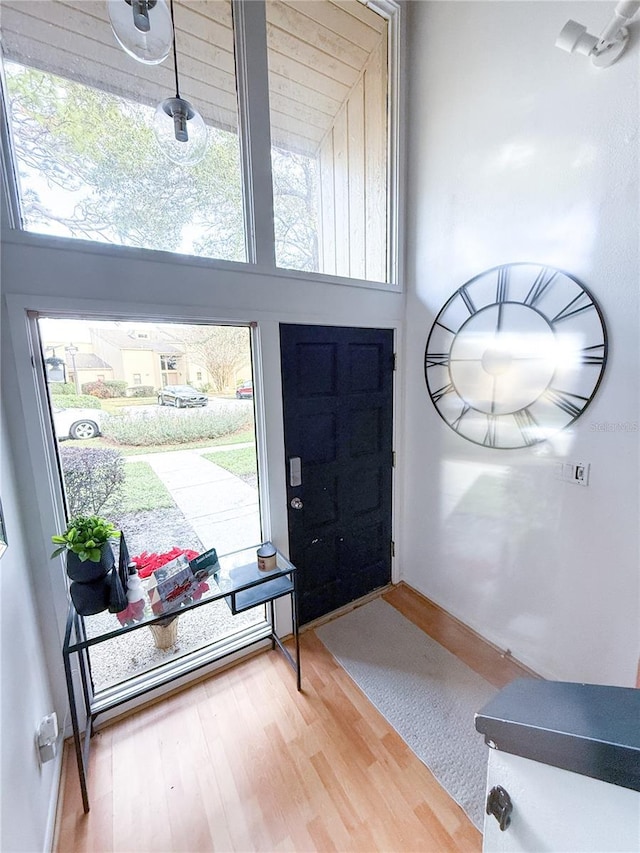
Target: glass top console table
[[236, 580]]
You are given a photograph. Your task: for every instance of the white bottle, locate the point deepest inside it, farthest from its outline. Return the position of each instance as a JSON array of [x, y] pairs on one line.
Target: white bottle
[[135, 591]]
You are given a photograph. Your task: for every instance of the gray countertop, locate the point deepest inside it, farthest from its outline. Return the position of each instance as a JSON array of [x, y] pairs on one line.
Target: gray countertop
[[586, 728]]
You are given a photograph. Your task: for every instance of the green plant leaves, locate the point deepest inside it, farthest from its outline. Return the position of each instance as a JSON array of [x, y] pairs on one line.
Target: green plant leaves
[[85, 536]]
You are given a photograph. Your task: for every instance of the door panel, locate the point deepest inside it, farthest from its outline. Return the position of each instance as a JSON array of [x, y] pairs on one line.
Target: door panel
[[337, 394]]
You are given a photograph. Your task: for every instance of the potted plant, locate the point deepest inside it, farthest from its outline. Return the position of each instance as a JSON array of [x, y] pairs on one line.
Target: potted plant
[[87, 544]]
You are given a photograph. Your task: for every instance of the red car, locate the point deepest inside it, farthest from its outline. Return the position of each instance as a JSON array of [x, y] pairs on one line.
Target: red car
[[245, 391]]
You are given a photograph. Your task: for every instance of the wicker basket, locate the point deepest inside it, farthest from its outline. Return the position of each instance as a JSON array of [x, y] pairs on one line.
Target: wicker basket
[[165, 636]]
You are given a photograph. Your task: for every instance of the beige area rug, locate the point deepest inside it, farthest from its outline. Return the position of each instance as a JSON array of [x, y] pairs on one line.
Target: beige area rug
[[426, 694]]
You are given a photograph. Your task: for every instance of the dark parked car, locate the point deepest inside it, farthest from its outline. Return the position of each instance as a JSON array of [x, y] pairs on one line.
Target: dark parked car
[[245, 391], [181, 395]]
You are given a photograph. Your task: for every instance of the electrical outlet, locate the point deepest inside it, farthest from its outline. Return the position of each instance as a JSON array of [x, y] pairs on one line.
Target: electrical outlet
[[48, 737], [49, 727]]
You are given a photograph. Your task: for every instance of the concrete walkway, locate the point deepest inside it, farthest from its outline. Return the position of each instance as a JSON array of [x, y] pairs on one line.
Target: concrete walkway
[[222, 509]]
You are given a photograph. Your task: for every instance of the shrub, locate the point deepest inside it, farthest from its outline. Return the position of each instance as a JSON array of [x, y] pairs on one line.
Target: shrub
[[62, 388], [105, 389], [141, 391], [117, 386], [153, 428], [92, 476], [96, 389], [81, 401]]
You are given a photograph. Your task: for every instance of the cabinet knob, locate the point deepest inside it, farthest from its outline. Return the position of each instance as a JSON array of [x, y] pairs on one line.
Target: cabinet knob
[[500, 806]]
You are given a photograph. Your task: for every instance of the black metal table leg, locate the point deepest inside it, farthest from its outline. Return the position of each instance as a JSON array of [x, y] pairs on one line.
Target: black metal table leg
[[74, 716], [273, 623], [296, 633]]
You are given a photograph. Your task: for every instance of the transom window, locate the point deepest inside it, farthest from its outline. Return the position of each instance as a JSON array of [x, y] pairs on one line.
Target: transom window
[[328, 86], [88, 164], [81, 114]]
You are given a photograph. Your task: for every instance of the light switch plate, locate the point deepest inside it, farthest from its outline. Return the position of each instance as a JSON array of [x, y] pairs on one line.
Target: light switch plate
[[574, 472]]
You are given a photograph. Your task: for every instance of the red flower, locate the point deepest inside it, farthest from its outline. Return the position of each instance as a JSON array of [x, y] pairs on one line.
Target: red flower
[[147, 563]]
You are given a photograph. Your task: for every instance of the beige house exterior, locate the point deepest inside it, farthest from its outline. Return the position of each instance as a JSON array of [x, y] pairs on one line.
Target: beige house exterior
[[148, 356], [141, 358]]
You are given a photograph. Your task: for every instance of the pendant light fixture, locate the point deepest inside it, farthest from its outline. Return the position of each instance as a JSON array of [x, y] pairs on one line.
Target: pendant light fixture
[[143, 28], [179, 128]]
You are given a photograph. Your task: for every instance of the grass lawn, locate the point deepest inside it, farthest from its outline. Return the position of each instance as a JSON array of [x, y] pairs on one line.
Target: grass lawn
[[241, 462], [241, 437], [143, 489]]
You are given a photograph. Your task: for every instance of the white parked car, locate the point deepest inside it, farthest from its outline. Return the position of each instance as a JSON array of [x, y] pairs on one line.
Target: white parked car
[[77, 423]]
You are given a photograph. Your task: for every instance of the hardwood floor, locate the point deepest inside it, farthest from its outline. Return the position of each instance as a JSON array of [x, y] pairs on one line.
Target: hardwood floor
[[243, 762]]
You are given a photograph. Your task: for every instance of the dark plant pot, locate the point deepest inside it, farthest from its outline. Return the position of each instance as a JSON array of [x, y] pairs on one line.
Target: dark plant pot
[[90, 598], [90, 571]]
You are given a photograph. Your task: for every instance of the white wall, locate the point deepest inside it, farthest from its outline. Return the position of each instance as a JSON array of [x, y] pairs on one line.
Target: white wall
[[69, 276], [520, 152], [28, 788]]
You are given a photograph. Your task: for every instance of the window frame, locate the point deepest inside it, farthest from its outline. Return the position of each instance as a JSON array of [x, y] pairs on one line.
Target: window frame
[[254, 134]]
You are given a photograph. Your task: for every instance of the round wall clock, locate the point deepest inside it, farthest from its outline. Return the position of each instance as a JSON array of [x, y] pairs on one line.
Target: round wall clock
[[515, 355]]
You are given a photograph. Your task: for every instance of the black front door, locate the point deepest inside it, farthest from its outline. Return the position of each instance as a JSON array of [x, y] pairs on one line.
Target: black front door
[[338, 419]]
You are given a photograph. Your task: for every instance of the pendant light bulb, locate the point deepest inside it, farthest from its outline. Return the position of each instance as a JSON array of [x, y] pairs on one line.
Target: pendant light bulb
[[180, 131], [140, 10], [142, 28]]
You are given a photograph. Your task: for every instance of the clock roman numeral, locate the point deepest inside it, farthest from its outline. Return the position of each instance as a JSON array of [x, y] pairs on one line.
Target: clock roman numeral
[[565, 401], [489, 439], [468, 301], [437, 359], [574, 307], [588, 355], [442, 326], [440, 393], [539, 286], [502, 288], [527, 425], [455, 424]]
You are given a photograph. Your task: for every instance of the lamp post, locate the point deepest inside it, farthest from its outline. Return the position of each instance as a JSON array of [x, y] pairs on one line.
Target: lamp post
[[72, 352], [56, 367]]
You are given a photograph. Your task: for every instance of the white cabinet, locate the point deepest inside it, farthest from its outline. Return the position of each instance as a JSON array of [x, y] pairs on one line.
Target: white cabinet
[[568, 757], [557, 810]]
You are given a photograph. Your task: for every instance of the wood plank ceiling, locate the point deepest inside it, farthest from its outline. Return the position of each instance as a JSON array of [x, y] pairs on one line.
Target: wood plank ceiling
[[317, 52]]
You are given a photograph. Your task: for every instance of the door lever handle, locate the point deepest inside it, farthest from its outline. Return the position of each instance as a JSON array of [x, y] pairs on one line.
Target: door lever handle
[[295, 471]]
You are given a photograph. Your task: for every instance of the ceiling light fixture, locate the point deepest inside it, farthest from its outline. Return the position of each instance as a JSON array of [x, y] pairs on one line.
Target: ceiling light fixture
[[143, 28], [609, 46], [179, 128]]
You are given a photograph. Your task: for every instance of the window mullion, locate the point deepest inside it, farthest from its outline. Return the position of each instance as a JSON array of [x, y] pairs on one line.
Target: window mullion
[[10, 201], [250, 34]]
